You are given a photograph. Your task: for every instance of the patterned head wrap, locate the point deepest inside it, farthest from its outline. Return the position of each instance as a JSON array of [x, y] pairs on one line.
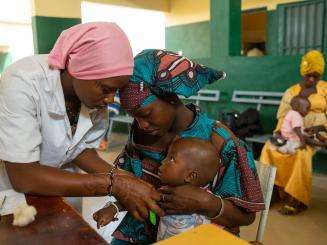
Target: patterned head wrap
[[159, 72], [312, 61]]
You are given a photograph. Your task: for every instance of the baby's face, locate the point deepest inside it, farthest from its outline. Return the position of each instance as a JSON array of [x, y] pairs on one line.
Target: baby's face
[[305, 108], [174, 169]]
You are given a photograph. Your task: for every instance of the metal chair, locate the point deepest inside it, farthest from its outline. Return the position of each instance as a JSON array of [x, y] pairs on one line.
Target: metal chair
[[266, 175]]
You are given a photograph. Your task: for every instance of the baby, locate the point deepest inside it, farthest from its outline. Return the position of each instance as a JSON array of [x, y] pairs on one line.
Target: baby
[[293, 126], [189, 161]]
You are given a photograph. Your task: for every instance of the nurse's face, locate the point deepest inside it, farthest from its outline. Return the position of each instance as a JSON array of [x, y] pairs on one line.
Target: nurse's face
[[98, 93]]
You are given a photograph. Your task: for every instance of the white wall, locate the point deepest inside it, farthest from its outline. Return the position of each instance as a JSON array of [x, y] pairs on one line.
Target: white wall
[[15, 27], [145, 28]]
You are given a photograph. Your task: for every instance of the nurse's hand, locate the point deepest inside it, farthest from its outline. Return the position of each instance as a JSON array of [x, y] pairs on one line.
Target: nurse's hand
[[136, 195]]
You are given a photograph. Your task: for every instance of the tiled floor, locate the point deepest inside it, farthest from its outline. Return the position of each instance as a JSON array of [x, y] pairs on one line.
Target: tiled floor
[[308, 228]]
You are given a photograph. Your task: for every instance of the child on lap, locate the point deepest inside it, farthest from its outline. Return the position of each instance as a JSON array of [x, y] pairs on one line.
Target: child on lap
[[189, 161]]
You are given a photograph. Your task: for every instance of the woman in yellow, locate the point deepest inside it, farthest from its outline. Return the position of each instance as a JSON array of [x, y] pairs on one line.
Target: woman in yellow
[[294, 171]]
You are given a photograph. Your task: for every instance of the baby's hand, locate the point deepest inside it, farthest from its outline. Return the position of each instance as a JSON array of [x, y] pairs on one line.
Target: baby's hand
[[105, 215], [321, 138]]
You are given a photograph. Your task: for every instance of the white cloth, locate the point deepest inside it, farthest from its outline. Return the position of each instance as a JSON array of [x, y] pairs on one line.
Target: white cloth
[[172, 225], [93, 204], [290, 147], [34, 125]]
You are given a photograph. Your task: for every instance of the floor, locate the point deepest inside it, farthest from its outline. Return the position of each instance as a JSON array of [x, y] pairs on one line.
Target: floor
[[307, 228]]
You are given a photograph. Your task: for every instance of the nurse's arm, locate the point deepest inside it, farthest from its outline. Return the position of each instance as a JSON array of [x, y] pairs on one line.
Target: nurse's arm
[[137, 196], [90, 161], [34, 178]]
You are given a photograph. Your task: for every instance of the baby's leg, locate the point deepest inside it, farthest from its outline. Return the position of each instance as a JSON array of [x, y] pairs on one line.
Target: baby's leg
[[285, 148], [290, 147], [293, 146]]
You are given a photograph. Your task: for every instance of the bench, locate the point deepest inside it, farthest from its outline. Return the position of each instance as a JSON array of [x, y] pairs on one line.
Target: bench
[[205, 95], [257, 97]]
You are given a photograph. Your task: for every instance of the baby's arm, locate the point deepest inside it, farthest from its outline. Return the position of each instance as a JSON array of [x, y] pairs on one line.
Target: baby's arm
[[313, 142], [298, 132], [107, 214]]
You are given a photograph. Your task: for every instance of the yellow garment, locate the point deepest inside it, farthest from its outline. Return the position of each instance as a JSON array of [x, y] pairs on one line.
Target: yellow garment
[[312, 61], [294, 171], [204, 234]]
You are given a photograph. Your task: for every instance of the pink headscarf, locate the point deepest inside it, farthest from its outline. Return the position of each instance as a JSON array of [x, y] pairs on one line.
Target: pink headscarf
[[93, 51]]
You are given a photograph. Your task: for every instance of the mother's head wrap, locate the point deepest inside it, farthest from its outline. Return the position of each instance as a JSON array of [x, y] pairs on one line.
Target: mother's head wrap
[[159, 72], [312, 61], [91, 51]]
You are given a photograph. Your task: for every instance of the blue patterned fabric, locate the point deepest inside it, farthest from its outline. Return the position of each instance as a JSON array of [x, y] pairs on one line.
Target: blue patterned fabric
[[229, 184], [168, 72], [160, 72]]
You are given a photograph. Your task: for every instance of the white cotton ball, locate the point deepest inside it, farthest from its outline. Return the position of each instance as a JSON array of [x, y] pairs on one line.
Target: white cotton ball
[[24, 215]]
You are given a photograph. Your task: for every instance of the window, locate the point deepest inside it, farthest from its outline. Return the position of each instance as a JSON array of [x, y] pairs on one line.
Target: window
[[301, 27], [16, 29], [142, 33]]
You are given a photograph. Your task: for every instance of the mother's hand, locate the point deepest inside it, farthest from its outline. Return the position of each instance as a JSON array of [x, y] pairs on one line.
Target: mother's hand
[[136, 195], [188, 199], [315, 129]]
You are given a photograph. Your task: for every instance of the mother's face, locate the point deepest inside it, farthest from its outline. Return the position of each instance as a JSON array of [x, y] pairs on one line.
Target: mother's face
[[156, 118], [311, 79], [98, 93]]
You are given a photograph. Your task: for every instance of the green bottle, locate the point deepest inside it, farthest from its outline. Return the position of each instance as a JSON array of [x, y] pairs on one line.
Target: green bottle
[[153, 218]]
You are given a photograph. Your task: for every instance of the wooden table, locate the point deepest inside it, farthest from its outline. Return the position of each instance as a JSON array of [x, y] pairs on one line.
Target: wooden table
[[204, 234], [56, 223]]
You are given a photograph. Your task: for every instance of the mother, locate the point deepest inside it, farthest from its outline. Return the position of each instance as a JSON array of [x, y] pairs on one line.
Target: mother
[[294, 171], [52, 117], [151, 98]]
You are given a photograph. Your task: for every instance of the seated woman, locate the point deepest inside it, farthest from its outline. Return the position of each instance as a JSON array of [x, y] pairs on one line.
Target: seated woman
[[294, 171], [151, 98]]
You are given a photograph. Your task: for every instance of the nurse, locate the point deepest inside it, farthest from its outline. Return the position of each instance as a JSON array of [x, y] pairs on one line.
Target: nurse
[[53, 116]]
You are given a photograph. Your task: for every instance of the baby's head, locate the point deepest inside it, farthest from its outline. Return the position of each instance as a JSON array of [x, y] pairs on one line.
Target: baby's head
[[189, 160], [300, 104]]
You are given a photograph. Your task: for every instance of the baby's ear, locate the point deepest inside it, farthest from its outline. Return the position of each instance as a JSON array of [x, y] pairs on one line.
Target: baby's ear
[[191, 178]]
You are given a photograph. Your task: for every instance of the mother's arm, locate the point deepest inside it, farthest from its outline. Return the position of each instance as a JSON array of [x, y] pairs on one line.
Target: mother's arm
[[188, 199]]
